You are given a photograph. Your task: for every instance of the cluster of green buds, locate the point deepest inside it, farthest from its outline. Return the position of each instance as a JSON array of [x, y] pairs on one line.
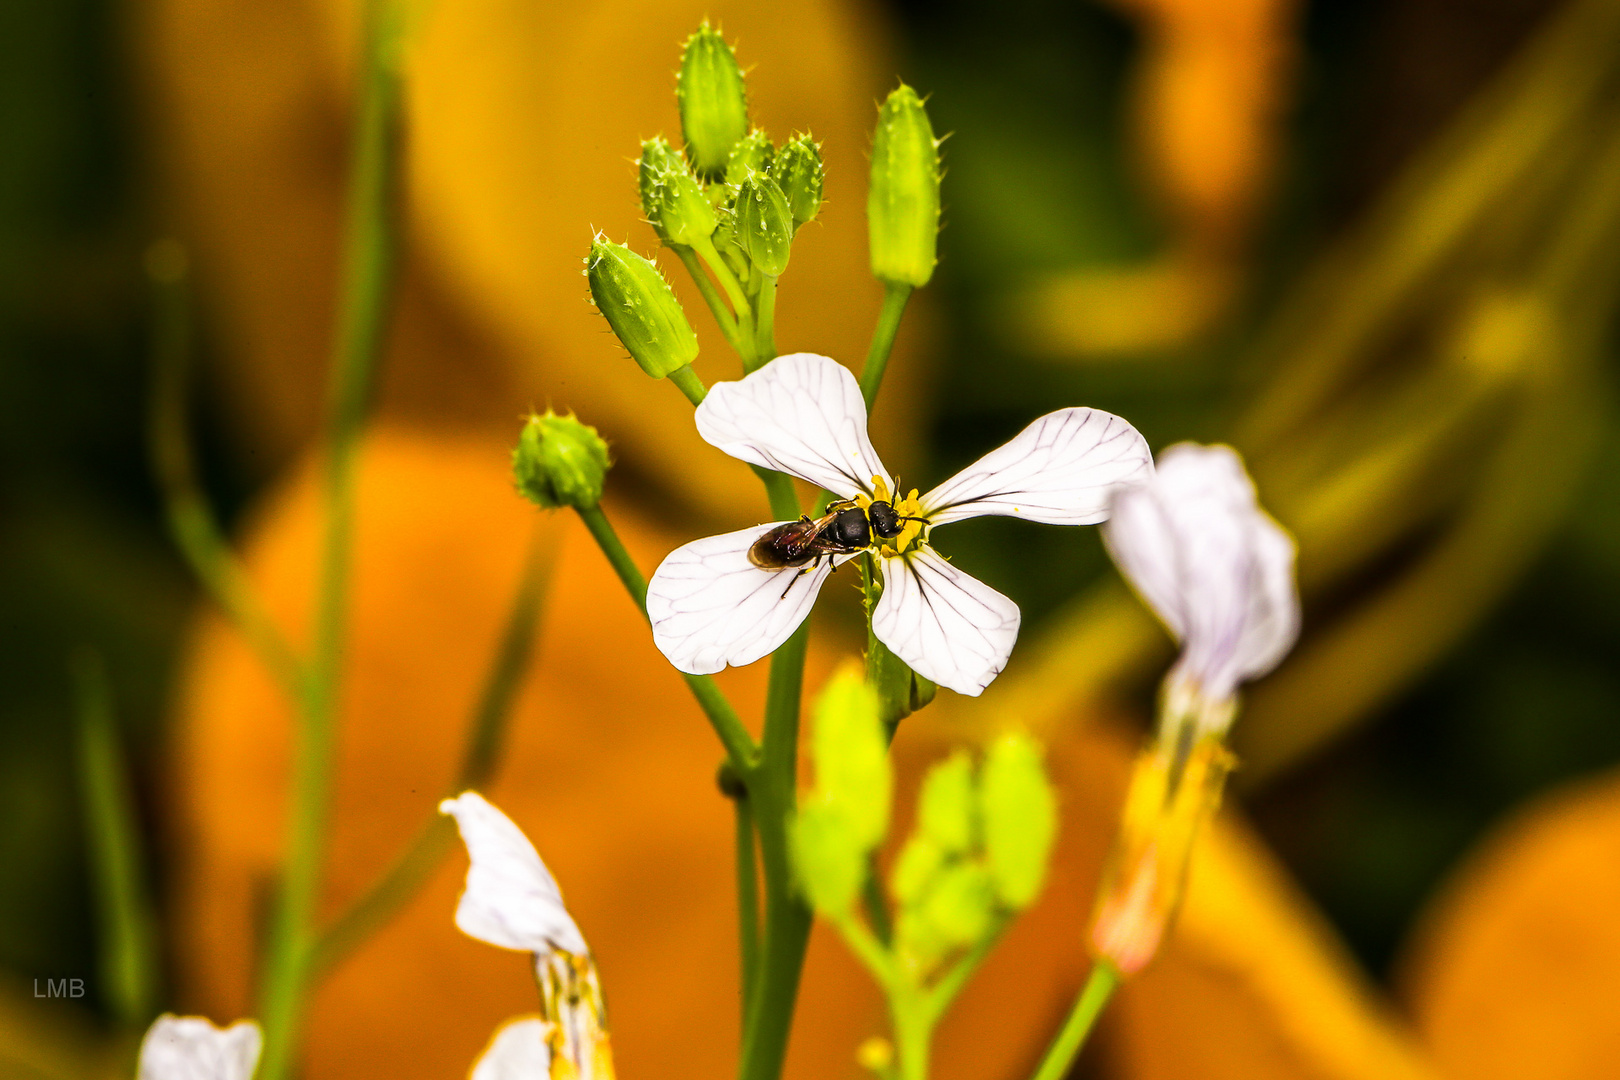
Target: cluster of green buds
[[977, 857], [560, 461]]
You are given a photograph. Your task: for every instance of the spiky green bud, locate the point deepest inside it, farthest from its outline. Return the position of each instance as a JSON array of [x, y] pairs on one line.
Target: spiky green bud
[[902, 201], [713, 103], [671, 197], [640, 307], [798, 171], [764, 223], [560, 461], [752, 154]]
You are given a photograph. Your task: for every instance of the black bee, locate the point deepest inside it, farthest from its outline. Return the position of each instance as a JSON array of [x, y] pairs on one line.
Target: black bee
[[844, 530]]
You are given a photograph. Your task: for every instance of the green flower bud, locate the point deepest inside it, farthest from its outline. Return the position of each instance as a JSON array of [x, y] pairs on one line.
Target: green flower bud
[[640, 307], [902, 203], [829, 862], [960, 904], [1019, 813], [852, 756], [714, 106], [919, 863], [560, 462], [764, 223], [752, 154], [671, 197], [947, 806], [798, 171]]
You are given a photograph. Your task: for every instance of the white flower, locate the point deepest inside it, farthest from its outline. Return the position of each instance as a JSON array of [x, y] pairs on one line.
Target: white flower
[[191, 1048], [1214, 566], [803, 414], [511, 900], [519, 1051]]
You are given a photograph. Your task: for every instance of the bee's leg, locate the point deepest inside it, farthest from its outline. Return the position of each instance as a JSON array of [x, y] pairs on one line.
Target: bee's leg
[[803, 570]]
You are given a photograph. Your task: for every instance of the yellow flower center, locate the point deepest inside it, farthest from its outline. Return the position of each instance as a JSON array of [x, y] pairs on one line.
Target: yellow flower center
[[911, 533]]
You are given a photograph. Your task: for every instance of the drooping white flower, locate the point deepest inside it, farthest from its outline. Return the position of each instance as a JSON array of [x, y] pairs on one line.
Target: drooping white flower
[[512, 901], [192, 1048], [519, 1050], [803, 414], [1214, 566]]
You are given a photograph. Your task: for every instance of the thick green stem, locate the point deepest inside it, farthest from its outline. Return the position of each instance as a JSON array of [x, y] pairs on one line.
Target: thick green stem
[[723, 718], [712, 297], [363, 316], [127, 947], [1100, 986], [747, 898], [486, 735], [765, 321], [913, 1033], [787, 917], [877, 355]]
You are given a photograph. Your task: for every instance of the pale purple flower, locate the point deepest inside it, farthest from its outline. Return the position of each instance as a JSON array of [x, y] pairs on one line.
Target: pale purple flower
[[192, 1048], [1213, 565], [803, 414]]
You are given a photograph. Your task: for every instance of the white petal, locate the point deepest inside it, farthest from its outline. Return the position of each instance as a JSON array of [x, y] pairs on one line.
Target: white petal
[[511, 899], [950, 627], [1219, 572], [1061, 469], [518, 1051], [711, 607], [191, 1048], [800, 414]]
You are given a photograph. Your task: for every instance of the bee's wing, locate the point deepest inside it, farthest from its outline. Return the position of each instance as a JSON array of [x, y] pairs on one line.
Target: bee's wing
[[800, 414], [948, 626], [1062, 469], [712, 608]]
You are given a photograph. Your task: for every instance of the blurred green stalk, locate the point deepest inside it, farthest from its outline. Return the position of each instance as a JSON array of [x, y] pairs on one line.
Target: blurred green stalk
[[367, 281], [128, 942]]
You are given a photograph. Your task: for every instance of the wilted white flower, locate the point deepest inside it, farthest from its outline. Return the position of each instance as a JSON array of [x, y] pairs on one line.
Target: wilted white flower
[[511, 900], [520, 1050], [711, 606], [192, 1048], [1215, 567]]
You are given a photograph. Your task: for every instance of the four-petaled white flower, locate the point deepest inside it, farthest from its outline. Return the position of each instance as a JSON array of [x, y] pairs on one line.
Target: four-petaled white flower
[[192, 1048], [511, 900], [1215, 567], [803, 414]]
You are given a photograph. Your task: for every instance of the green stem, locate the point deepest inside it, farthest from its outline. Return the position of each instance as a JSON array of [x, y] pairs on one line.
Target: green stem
[[723, 718], [485, 738], [128, 928], [367, 286], [734, 290], [943, 992], [1100, 986], [787, 917], [765, 321], [877, 355], [877, 906], [747, 898], [192, 523], [712, 297], [913, 1033], [687, 381]]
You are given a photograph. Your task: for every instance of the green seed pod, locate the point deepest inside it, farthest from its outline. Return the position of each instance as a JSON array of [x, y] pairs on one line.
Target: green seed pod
[[560, 461], [1019, 814], [714, 105], [902, 202], [914, 871], [947, 806], [764, 224], [640, 307], [798, 171], [753, 154], [671, 197]]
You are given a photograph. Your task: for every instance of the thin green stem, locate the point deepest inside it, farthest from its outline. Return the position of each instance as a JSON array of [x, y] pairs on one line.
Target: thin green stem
[[1100, 986], [869, 951], [711, 296], [877, 905], [787, 917], [765, 321], [733, 288], [913, 1032], [723, 718], [877, 354], [128, 927], [943, 992], [747, 898], [192, 523], [363, 316], [486, 735], [686, 380]]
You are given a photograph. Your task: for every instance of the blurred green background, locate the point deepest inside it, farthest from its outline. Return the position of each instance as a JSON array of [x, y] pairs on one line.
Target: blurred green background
[[1043, 178]]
